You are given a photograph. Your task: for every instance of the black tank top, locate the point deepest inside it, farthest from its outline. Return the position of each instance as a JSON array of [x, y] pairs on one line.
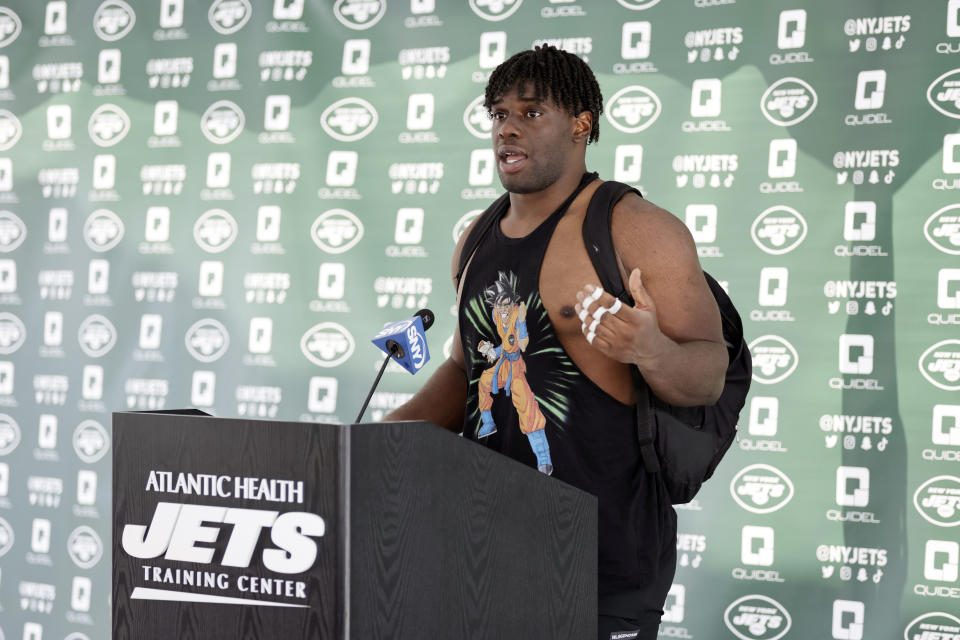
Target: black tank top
[[590, 436]]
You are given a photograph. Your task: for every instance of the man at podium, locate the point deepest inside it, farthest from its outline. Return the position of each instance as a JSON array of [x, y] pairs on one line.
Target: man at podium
[[568, 362]]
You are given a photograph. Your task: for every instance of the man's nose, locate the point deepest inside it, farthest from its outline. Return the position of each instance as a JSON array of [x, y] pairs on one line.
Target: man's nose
[[509, 127]]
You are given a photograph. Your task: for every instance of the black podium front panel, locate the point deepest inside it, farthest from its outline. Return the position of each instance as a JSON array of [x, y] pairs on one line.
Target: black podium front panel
[[225, 529]]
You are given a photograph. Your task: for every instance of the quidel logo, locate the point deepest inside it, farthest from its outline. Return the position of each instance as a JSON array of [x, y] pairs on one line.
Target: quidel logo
[[336, 231], [778, 230], [938, 501], [788, 101], [633, 109], [944, 94], [90, 441], [349, 119], [942, 229], [10, 130], [97, 336], [495, 10], [327, 344], [12, 333], [757, 617], [932, 626], [10, 26], [774, 359], [222, 122], [12, 232], [207, 340], [229, 16], [761, 488], [108, 125], [9, 437], [85, 547], [113, 20], [477, 120], [215, 231], [940, 365], [359, 14], [103, 230]]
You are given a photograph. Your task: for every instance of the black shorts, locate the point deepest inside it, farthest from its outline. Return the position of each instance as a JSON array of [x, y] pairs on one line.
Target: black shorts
[[643, 628]]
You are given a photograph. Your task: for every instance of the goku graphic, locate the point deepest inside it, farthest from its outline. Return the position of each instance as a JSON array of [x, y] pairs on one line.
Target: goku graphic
[[508, 373]]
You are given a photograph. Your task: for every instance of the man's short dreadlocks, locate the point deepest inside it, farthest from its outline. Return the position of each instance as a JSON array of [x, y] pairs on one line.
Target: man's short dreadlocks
[[555, 74]]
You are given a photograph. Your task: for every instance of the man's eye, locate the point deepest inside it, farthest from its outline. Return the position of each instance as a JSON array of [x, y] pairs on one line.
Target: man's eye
[[533, 114], [497, 115]]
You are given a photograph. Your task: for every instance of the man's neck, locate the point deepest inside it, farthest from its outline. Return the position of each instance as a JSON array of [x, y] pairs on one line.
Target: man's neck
[[527, 210]]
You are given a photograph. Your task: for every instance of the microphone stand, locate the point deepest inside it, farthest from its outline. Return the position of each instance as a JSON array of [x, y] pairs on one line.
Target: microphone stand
[[394, 350]]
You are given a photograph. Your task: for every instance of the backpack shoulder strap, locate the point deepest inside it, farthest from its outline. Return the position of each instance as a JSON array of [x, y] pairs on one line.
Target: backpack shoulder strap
[[484, 223], [599, 242], [599, 245]]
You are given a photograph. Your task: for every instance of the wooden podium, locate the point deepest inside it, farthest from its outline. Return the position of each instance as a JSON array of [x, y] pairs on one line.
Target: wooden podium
[[230, 529]]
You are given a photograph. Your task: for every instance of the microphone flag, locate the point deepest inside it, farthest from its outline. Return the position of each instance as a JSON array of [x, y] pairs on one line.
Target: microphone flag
[[406, 342]]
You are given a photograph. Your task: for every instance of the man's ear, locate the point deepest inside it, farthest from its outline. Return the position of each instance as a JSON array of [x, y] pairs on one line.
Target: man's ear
[[582, 126]]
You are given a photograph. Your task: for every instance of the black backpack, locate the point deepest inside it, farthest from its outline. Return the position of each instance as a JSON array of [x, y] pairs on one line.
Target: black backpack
[[683, 444]]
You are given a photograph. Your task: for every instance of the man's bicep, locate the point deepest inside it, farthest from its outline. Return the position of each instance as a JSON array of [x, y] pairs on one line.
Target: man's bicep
[[660, 245]]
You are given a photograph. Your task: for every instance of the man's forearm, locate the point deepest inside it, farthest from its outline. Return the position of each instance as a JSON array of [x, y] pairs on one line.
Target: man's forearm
[[442, 400], [686, 374]]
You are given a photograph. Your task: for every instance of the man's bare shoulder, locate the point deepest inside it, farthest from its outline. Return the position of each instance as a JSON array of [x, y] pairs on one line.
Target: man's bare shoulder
[[641, 228]]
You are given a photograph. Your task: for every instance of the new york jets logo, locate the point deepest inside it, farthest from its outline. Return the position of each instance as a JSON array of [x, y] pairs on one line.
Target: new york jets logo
[[12, 232], [336, 231], [463, 223], [229, 16], [761, 488], [788, 101], [97, 336], [943, 94], [938, 501], [942, 229], [940, 365], [207, 340], [6, 537], [222, 122], [778, 230], [495, 10], [215, 231], [327, 344], [774, 359], [932, 625], [10, 130], [349, 119], [103, 230], [10, 26], [90, 441], [9, 436], [359, 14], [477, 120], [757, 617], [12, 333], [108, 125], [84, 547], [113, 20], [637, 5], [633, 109]]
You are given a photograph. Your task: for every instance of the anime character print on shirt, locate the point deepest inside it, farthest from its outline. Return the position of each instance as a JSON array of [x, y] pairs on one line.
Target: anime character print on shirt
[[506, 370]]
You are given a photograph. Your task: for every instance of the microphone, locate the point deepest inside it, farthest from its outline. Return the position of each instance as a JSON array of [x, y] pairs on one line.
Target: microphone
[[404, 341]]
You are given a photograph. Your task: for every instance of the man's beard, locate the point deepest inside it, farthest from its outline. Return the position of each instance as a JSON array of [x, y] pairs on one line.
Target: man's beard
[[532, 182]]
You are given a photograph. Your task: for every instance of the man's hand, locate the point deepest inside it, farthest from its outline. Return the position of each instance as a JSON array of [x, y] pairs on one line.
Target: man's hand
[[522, 312], [626, 334], [487, 350]]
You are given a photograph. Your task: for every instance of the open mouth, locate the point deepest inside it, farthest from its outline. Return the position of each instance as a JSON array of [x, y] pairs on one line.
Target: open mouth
[[511, 159]]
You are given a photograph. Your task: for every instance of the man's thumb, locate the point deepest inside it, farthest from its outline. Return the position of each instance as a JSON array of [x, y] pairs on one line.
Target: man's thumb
[[641, 299]]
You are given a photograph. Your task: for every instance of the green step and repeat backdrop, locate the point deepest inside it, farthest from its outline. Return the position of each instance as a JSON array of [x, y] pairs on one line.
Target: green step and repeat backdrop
[[218, 203]]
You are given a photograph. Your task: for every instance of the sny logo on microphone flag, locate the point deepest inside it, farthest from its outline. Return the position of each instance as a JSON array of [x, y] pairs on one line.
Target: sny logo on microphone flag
[[410, 335]]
